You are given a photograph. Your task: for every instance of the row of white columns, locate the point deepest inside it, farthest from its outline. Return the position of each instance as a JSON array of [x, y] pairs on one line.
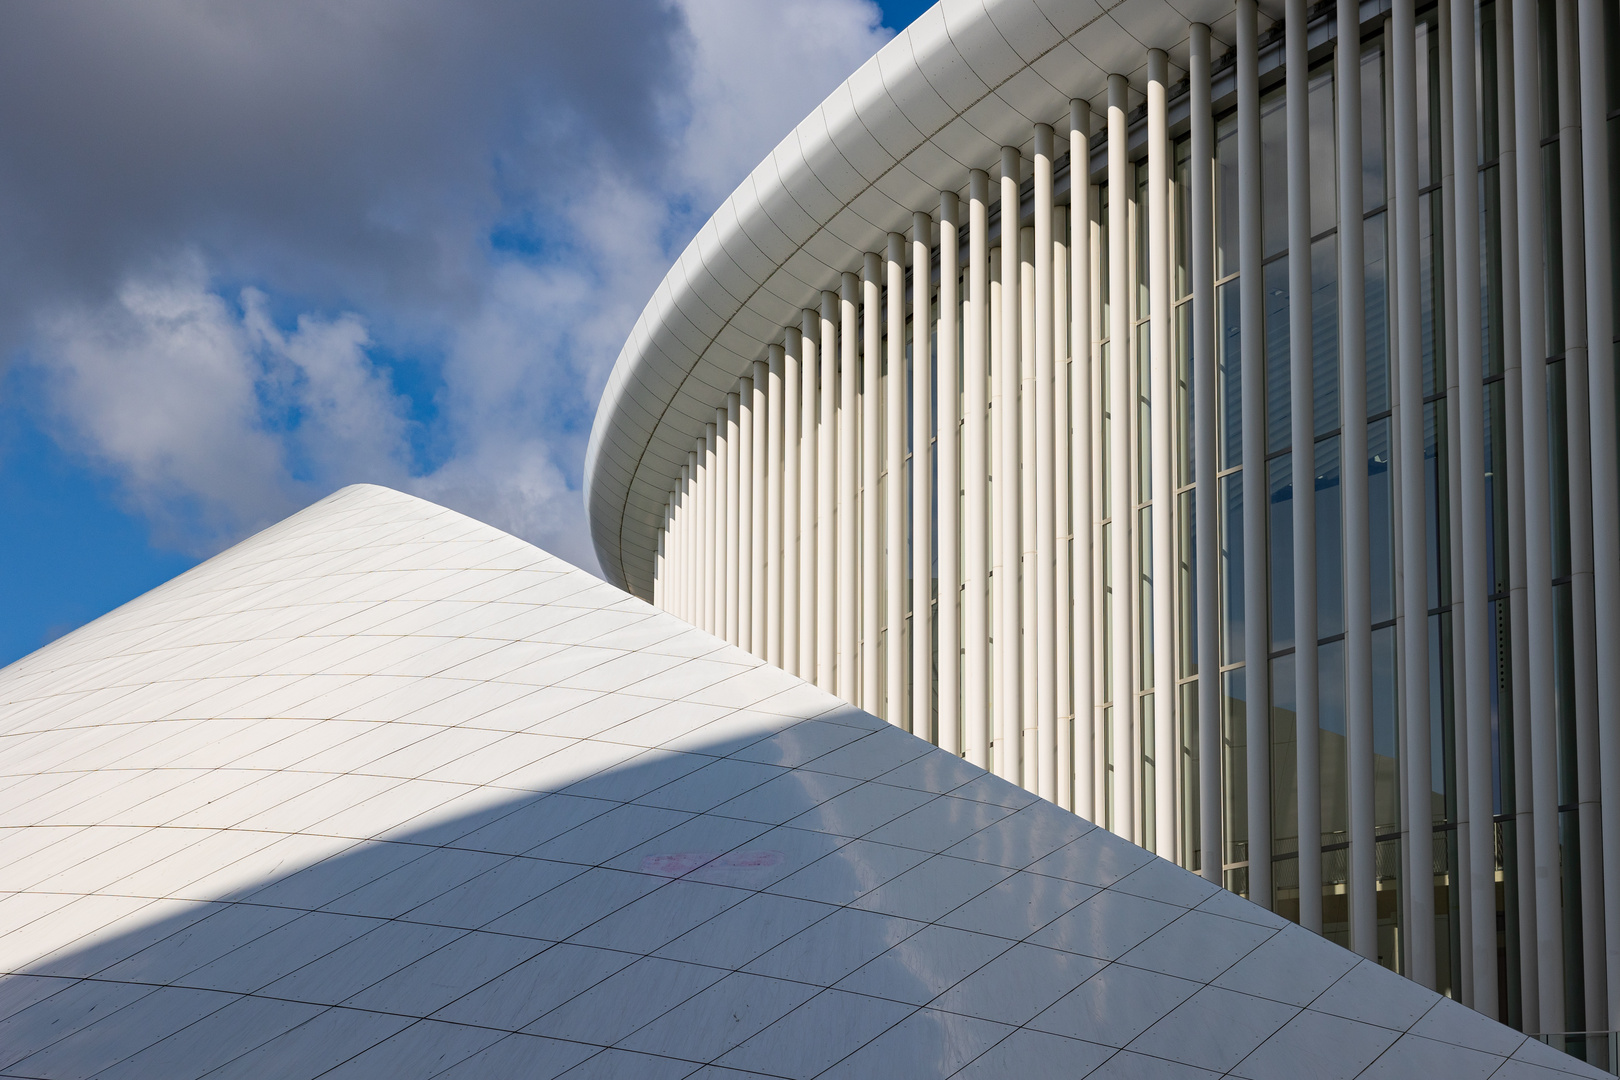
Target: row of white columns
[[790, 532]]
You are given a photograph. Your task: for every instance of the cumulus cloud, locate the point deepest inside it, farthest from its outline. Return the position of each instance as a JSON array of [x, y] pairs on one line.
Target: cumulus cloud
[[255, 252]]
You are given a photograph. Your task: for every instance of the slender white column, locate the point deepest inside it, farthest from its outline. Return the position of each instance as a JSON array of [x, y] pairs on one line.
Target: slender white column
[[1577, 369], [894, 490], [1353, 473], [792, 495], [922, 479], [808, 625], [683, 516], [713, 530], [847, 668], [759, 506], [1416, 808], [1304, 467], [827, 570], [1008, 509], [875, 530], [1026, 579], [744, 537], [775, 477], [1163, 413], [1251, 315], [730, 468], [1119, 480], [948, 425], [1476, 609], [976, 714], [1595, 63], [1205, 492], [1519, 626], [1046, 761], [1083, 508], [1063, 517]]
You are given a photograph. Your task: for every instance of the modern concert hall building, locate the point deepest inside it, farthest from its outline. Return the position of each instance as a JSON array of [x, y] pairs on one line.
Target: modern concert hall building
[[981, 405]]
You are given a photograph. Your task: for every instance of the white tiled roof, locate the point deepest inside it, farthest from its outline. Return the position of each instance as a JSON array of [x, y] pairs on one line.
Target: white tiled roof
[[384, 792]]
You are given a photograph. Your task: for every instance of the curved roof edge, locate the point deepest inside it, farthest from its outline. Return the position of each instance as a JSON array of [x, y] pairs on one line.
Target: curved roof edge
[[940, 99]]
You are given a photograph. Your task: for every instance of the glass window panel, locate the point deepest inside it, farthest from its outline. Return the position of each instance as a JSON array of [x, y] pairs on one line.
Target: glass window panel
[[1144, 599], [1428, 105], [1185, 443], [1181, 285], [1325, 334], [1437, 503], [1380, 521], [1375, 279], [1442, 732], [1390, 944], [1490, 269], [1187, 582], [1332, 746], [1232, 568], [1284, 759], [1274, 170], [1548, 33], [1558, 465], [1278, 434], [1372, 124], [1324, 163], [1496, 516], [1329, 540], [1487, 125], [1227, 301], [1386, 731], [1282, 552], [1552, 236], [1234, 767], [1226, 196], [1431, 281]]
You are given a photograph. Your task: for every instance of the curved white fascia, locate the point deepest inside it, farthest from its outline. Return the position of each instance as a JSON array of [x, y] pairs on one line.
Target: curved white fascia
[[940, 99]]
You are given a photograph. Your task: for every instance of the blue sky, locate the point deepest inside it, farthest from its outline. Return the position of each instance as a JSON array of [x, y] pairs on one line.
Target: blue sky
[[251, 281]]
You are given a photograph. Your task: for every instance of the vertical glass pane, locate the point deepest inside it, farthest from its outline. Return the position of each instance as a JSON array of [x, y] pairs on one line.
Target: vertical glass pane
[[1280, 485], [1145, 774], [1284, 759], [1333, 747], [1181, 226], [1496, 515], [1325, 334], [1386, 732], [1437, 503], [1144, 599], [1391, 946], [1230, 359], [1278, 433], [1372, 124], [1375, 279], [1552, 237], [1226, 196], [1488, 124], [1324, 152], [1185, 443], [1380, 521], [1329, 540], [1274, 170], [1558, 464], [1189, 787], [1490, 269], [1187, 583], [1234, 767], [1232, 628], [1431, 281]]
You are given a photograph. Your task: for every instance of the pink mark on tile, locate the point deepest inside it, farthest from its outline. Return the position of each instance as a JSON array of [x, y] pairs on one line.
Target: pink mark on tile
[[681, 863]]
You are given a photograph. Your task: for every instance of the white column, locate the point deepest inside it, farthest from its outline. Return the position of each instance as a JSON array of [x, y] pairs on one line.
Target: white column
[[730, 495], [1595, 64], [827, 569], [976, 712], [1164, 498], [759, 506], [1251, 322], [683, 522], [807, 627], [1206, 493], [1027, 602], [922, 479], [1353, 471], [876, 593], [894, 502], [1120, 397], [691, 535], [950, 480], [744, 538], [1009, 513], [1082, 506], [1304, 467], [713, 529], [1046, 761], [792, 497], [1476, 696], [1062, 456], [846, 670], [1416, 808], [775, 480]]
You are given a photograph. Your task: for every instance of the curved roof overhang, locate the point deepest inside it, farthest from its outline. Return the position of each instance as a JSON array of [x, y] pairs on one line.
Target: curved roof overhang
[[940, 99]]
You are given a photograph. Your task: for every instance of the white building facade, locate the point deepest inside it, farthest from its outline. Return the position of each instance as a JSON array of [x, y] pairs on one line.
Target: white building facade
[[1029, 493]]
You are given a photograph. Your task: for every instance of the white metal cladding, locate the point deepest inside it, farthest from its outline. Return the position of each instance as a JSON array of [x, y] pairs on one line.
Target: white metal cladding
[[966, 78], [384, 792]]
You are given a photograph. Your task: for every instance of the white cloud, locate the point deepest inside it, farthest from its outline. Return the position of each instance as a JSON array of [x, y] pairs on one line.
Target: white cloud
[[355, 175]]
